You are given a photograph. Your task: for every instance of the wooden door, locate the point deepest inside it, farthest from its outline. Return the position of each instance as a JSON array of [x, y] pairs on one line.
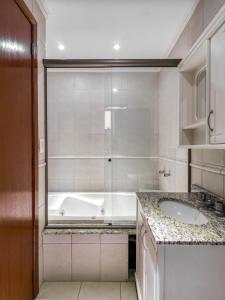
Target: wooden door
[[217, 88], [18, 154]]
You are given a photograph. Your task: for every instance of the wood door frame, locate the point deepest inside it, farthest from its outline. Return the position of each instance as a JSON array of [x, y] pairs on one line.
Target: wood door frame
[[35, 158]]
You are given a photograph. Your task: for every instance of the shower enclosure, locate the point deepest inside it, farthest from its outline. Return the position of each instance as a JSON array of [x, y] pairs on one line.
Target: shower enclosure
[[102, 143]]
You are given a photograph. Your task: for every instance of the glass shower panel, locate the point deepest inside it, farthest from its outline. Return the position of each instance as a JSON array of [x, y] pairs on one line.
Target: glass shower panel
[[134, 138], [78, 132]]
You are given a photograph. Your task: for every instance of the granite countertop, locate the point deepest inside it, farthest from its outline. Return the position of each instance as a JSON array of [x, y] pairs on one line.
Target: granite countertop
[[167, 230], [89, 231]]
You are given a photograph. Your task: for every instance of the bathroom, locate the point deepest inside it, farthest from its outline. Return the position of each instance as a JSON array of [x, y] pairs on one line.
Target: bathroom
[[113, 165]]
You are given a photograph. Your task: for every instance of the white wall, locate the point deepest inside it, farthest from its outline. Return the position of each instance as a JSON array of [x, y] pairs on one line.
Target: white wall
[[171, 158], [40, 18]]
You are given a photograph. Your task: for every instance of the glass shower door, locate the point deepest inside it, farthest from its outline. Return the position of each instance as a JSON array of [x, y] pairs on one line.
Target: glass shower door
[[108, 150], [133, 139]]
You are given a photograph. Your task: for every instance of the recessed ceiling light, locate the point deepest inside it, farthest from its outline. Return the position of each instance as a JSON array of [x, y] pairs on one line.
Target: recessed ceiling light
[[115, 90], [61, 47], [116, 47]]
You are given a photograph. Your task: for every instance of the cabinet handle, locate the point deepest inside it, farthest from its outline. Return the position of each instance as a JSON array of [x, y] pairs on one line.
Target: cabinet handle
[[209, 117]]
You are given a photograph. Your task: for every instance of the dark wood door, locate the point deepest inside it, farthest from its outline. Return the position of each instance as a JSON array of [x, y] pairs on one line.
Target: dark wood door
[[16, 154]]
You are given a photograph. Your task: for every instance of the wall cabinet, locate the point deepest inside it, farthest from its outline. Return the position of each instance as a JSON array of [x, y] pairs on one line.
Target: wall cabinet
[[202, 90], [217, 87], [177, 272], [194, 98]]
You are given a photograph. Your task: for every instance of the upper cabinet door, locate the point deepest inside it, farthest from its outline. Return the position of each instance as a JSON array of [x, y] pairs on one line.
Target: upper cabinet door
[[216, 118]]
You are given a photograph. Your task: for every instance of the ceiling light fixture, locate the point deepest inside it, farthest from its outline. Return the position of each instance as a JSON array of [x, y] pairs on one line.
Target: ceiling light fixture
[[61, 47], [115, 90], [116, 47]]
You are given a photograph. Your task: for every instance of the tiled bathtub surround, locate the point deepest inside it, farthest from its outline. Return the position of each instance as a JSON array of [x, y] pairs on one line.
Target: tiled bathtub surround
[[77, 138], [208, 170], [85, 256], [167, 230]]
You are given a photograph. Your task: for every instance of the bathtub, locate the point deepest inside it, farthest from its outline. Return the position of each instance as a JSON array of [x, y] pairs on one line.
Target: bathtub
[[105, 208]]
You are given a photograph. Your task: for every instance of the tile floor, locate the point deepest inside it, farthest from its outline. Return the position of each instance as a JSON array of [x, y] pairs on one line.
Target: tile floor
[[88, 291]]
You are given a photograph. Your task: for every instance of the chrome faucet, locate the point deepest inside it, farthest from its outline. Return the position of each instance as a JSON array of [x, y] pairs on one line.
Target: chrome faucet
[[167, 174], [162, 171]]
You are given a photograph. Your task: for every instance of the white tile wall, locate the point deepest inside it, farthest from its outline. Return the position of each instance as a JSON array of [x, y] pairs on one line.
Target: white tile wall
[[56, 238], [181, 177], [171, 158], [90, 257], [196, 176], [209, 180], [57, 262], [76, 127], [213, 182], [114, 262], [86, 262]]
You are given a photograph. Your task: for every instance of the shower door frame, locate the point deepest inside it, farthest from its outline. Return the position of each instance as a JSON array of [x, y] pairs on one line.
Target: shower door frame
[[94, 63]]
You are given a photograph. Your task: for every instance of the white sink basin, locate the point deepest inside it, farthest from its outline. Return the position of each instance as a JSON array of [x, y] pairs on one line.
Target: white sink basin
[[182, 212]]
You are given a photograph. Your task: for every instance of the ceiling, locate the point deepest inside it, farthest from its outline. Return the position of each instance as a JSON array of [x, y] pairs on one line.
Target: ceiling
[[90, 28]]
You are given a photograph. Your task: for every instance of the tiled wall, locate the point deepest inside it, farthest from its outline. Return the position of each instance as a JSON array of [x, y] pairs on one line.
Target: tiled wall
[[208, 170], [77, 102], [168, 115], [40, 18], [90, 257], [172, 159]]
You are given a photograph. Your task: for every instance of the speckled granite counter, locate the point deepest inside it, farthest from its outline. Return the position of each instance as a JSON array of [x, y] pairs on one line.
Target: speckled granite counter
[[167, 230], [89, 231]]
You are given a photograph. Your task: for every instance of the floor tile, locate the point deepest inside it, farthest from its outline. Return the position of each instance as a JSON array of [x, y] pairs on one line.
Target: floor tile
[[100, 291], [59, 290], [128, 291]]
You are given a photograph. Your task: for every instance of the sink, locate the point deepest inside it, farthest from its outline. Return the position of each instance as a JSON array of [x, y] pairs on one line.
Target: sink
[[182, 212]]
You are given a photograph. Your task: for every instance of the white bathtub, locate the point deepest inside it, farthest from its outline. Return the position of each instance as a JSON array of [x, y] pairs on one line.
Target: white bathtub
[[102, 207]]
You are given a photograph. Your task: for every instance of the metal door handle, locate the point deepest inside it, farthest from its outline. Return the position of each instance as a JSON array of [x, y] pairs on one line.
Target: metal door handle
[[209, 117]]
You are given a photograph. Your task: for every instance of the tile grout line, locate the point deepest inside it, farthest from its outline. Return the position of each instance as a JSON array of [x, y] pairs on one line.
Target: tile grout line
[[78, 296], [71, 264], [120, 291]]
